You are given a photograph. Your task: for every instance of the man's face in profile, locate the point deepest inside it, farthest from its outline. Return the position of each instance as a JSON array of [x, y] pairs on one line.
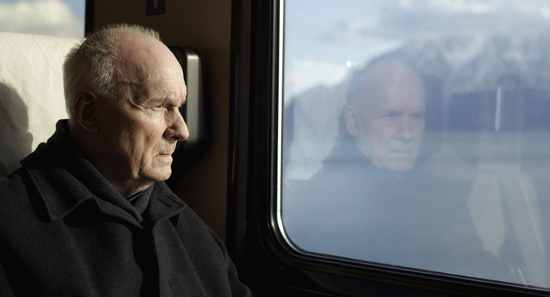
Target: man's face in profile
[[145, 124], [388, 121]]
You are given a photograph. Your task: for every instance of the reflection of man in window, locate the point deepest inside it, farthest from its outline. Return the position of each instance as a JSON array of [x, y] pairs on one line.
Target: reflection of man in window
[[386, 115], [371, 201]]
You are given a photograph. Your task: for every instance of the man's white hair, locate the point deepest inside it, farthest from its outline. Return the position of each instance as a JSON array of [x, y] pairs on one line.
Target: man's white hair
[[92, 65]]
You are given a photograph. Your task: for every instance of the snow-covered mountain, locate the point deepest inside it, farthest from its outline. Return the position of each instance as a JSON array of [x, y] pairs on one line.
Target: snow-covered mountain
[[475, 63]]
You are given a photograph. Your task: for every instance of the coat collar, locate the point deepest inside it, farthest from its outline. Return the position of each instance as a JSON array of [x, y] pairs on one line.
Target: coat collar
[[164, 204], [64, 180]]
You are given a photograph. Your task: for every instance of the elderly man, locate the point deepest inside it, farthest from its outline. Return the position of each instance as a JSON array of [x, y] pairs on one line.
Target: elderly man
[[88, 214], [385, 114], [371, 202]]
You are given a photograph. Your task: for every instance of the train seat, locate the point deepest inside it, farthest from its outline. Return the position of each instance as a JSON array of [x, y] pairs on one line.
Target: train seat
[[31, 93], [502, 136]]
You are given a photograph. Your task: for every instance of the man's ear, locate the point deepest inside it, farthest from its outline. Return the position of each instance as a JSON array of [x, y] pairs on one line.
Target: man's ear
[[350, 119], [86, 111]]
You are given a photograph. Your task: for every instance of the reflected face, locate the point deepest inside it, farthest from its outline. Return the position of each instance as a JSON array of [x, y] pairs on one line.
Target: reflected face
[[388, 120], [144, 125]]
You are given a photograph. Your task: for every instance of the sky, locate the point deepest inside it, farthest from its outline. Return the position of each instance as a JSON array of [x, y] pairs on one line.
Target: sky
[[47, 17], [326, 39]]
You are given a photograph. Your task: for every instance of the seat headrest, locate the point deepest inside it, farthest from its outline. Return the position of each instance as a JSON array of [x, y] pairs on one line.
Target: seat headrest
[[31, 92]]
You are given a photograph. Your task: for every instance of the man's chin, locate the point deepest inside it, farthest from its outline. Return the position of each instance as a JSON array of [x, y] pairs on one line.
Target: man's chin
[[165, 176], [401, 166], [160, 175]]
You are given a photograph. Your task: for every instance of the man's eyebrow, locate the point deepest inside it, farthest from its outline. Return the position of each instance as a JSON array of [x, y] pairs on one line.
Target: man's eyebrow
[[158, 101], [389, 110]]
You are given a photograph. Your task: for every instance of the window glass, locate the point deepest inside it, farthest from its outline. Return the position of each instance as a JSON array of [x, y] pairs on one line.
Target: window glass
[[45, 17], [416, 134]]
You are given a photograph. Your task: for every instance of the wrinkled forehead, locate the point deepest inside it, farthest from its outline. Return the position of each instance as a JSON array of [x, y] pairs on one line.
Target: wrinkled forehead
[[142, 58], [149, 69], [154, 88], [393, 85]]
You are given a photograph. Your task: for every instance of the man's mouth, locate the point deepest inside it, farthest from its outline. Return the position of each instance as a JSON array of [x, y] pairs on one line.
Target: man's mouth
[[401, 151]]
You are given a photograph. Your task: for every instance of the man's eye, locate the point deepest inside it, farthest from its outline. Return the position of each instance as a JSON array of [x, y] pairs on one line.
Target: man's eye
[[391, 115], [419, 116]]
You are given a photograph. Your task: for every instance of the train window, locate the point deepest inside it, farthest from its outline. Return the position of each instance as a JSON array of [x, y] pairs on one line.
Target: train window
[[416, 135], [45, 17]]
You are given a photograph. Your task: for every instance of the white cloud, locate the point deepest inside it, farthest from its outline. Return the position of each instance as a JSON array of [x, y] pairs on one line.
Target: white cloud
[[530, 6], [405, 3], [353, 32], [309, 73], [466, 6], [49, 17], [488, 6]]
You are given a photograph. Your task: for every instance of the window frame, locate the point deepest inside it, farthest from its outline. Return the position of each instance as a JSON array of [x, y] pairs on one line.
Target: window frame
[[265, 260]]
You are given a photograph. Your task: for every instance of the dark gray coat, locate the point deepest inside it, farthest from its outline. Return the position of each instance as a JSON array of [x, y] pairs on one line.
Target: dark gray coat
[[352, 209], [59, 238]]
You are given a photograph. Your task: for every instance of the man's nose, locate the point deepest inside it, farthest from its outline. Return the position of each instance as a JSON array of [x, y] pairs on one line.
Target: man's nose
[[405, 130], [177, 128]]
